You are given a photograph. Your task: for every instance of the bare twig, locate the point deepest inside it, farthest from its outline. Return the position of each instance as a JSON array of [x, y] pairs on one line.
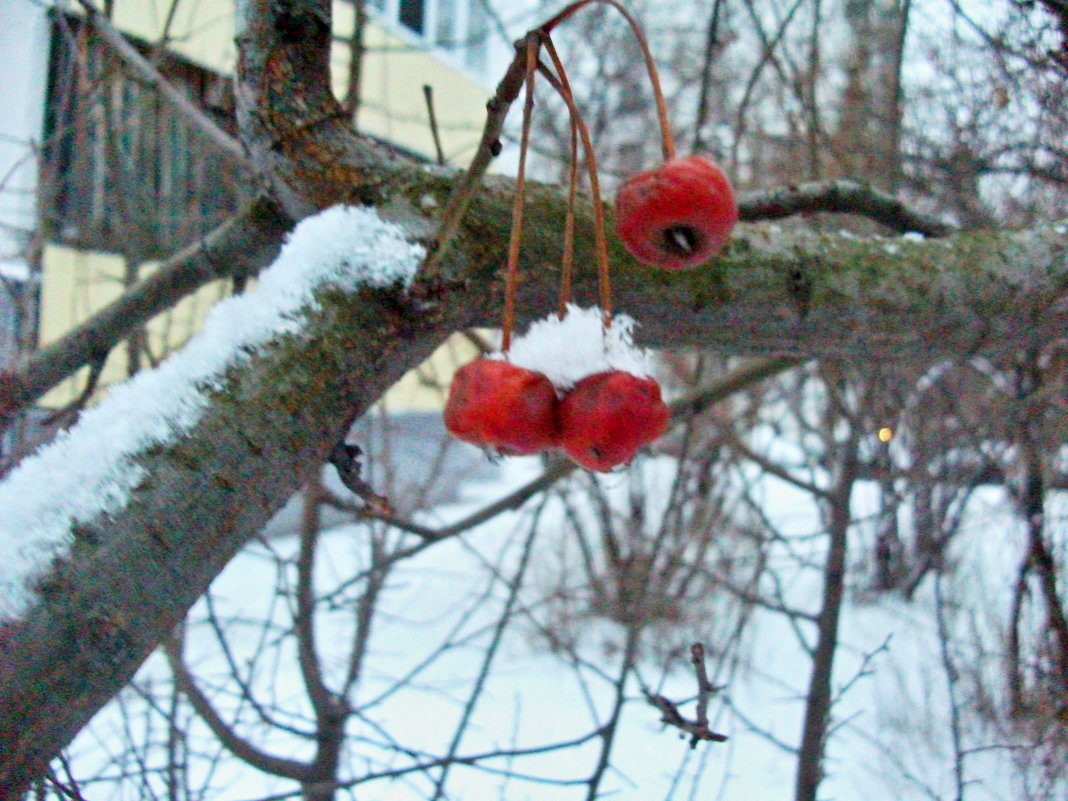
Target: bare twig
[[698, 728], [704, 684], [952, 679], [241, 245], [1033, 509], [842, 197], [773, 468], [738, 379], [471, 760], [68, 412], [346, 460], [428, 94], [611, 727], [323, 701], [490, 652], [237, 745], [357, 48], [767, 55], [712, 44], [489, 147]]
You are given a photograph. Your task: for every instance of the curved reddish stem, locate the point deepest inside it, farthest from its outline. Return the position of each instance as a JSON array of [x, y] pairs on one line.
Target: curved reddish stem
[[595, 184], [512, 270], [667, 139], [568, 260]]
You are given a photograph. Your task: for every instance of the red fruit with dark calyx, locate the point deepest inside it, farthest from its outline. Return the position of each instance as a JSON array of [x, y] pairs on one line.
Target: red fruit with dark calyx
[[495, 404], [678, 215], [608, 416]]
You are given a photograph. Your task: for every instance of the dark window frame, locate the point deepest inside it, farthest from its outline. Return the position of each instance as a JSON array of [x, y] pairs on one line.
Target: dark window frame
[[411, 14]]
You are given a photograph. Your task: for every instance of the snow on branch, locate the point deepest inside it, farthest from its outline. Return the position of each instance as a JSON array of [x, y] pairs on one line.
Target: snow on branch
[[90, 470]]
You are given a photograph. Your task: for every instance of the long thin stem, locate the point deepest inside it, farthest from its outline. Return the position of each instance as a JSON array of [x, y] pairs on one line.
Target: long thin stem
[[567, 262], [564, 87], [512, 274], [650, 65]]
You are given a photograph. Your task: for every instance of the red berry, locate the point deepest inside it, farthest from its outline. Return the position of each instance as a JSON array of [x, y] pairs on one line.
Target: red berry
[[495, 404], [608, 416], [678, 215]]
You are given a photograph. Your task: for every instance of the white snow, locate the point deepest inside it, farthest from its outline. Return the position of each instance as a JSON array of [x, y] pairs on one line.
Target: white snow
[[437, 612], [568, 350], [913, 236], [90, 469], [14, 269]]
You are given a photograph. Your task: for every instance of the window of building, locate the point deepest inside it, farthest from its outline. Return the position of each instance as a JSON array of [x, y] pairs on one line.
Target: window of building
[[476, 53], [446, 26], [122, 171], [412, 15], [460, 27]]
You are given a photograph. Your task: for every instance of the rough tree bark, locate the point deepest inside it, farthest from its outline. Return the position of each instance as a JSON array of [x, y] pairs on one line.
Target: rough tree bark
[[134, 574]]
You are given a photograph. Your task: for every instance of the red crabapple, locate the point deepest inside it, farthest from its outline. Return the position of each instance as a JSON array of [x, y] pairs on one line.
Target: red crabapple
[[677, 215], [495, 404], [608, 416]]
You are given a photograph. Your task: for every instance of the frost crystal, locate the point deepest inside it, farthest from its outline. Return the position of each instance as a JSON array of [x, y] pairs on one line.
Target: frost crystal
[[568, 350]]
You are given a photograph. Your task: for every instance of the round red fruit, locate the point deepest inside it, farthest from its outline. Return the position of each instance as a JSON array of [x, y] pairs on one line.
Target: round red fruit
[[608, 416], [678, 215], [495, 404]]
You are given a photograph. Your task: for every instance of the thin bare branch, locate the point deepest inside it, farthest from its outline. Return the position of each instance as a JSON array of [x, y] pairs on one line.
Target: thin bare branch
[[240, 246], [237, 745], [698, 728], [842, 197]]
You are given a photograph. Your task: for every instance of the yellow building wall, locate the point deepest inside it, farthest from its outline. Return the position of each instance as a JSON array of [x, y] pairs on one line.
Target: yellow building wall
[[76, 283], [395, 69], [202, 32], [393, 105]]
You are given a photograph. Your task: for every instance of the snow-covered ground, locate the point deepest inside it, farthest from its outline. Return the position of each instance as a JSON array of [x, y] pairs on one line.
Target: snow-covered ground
[[439, 612]]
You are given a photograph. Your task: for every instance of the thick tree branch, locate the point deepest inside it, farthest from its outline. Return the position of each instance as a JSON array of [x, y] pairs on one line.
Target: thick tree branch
[[282, 413], [103, 611], [972, 280], [316, 130], [300, 137]]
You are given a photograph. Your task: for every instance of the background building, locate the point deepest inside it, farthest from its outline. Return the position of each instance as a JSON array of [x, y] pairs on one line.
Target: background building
[[101, 178]]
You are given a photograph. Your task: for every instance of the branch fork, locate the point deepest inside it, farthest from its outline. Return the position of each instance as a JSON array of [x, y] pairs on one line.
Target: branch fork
[[698, 728]]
